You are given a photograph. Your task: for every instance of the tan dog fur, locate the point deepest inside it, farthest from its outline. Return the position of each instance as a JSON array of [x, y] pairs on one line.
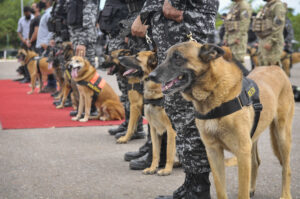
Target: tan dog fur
[[108, 103], [33, 70], [219, 81], [156, 116], [134, 97]]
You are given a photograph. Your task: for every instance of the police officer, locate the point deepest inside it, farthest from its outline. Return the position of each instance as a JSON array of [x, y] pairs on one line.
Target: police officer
[[114, 11], [81, 19], [236, 28], [268, 26], [169, 27]]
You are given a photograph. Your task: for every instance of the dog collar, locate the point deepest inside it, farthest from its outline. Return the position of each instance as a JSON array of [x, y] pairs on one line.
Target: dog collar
[[248, 96], [139, 87], [155, 102]]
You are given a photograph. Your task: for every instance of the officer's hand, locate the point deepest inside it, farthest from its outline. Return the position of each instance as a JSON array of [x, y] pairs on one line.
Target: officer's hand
[[172, 13], [138, 29], [225, 43], [28, 44], [52, 43], [126, 40], [237, 41], [80, 50], [268, 47]]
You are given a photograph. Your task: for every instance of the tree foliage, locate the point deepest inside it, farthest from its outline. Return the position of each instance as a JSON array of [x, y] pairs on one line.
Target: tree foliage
[[10, 12]]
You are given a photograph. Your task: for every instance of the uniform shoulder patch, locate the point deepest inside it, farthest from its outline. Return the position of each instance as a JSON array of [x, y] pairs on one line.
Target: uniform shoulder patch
[[277, 21]]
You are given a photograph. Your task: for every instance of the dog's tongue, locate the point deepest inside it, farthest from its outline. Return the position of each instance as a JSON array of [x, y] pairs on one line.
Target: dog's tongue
[[50, 65], [74, 72], [129, 71], [170, 84], [111, 69]]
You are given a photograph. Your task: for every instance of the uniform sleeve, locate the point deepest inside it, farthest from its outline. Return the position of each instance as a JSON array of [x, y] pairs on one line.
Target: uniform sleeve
[[245, 16], [278, 22], [19, 26], [150, 6], [88, 33]]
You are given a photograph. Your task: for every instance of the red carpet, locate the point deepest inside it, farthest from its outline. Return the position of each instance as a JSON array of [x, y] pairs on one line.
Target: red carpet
[[19, 110]]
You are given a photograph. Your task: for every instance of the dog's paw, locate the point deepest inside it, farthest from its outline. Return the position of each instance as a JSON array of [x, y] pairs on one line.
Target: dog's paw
[[60, 106], [149, 171], [84, 120], [164, 172], [122, 140], [75, 118], [102, 118], [29, 92]]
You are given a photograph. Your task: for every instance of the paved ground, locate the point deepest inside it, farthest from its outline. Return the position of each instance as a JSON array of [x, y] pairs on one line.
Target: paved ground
[[85, 163]]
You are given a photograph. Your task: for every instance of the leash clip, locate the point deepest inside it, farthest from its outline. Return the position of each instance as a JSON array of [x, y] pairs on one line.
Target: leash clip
[[148, 39], [190, 37]]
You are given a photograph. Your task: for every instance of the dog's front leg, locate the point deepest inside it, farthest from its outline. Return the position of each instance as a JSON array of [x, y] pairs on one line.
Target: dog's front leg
[[244, 168], [156, 145], [40, 77], [171, 149], [65, 92], [80, 107], [135, 112], [87, 107], [33, 81], [216, 160]]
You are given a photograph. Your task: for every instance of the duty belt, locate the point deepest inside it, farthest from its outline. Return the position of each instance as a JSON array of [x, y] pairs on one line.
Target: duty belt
[[134, 6], [139, 87], [155, 102], [248, 96]]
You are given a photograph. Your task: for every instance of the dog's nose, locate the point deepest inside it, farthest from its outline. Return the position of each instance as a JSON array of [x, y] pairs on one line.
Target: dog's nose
[[153, 76]]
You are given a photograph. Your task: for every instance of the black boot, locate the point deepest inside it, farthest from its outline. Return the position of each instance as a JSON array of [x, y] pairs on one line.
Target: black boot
[[142, 150], [122, 127], [26, 76], [146, 160], [138, 134], [296, 91], [195, 186]]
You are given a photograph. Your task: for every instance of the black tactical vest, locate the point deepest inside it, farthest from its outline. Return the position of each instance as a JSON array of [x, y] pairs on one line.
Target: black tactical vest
[[114, 11], [75, 13]]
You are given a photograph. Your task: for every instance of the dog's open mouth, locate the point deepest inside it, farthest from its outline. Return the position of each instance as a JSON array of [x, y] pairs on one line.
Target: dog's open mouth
[[177, 84], [74, 72], [111, 70], [130, 72]]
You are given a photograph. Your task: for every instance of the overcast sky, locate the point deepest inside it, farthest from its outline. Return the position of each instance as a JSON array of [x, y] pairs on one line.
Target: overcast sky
[[224, 3]]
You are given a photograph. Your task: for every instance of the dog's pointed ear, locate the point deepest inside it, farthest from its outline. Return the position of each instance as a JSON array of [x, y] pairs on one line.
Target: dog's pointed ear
[[152, 61], [209, 52], [86, 62]]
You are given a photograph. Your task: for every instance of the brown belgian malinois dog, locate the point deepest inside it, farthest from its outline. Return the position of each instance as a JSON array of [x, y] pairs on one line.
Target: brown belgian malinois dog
[[140, 65], [209, 81]]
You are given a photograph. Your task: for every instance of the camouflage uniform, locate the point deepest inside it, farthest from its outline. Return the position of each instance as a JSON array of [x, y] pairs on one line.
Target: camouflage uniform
[[236, 28], [288, 34], [199, 18], [87, 33], [268, 26]]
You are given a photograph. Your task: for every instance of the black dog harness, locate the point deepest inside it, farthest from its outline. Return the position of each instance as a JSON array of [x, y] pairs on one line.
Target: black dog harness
[[155, 102], [248, 96], [139, 87]]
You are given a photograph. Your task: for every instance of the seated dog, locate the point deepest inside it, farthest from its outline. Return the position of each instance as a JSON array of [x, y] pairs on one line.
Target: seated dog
[[232, 111], [135, 91], [90, 85], [140, 65], [37, 68]]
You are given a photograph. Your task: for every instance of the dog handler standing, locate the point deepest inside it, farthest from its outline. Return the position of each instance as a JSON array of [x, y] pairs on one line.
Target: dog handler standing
[[81, 19], [172, 21], [236, 28], [268, 26]]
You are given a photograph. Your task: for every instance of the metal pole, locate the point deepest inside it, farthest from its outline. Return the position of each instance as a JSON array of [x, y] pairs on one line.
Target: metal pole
[[22, 8]]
